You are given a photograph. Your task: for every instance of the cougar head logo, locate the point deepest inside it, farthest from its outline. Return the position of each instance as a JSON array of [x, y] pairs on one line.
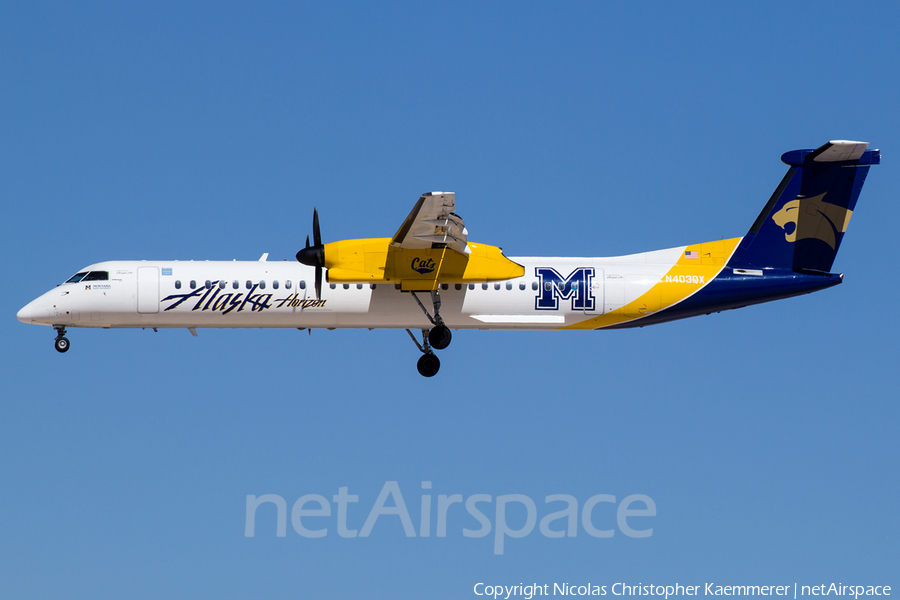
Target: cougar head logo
[[788, 214], [812, 218]]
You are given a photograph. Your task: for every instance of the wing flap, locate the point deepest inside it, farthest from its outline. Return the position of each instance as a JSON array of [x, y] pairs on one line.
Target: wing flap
[[432, 222]]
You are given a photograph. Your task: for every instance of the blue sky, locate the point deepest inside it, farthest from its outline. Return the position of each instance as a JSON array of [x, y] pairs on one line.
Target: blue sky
[[767, 437]]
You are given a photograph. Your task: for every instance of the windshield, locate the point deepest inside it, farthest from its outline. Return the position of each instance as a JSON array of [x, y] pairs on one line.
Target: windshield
[[76, 277]]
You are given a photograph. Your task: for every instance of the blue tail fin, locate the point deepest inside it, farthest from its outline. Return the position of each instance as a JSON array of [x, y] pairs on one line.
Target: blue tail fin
[[802, 225]]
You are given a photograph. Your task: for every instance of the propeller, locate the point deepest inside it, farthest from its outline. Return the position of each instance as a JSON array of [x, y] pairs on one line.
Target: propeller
[[314, 256]]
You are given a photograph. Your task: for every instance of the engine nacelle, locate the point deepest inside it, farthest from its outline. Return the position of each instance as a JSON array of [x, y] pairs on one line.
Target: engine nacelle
[[375, 260]]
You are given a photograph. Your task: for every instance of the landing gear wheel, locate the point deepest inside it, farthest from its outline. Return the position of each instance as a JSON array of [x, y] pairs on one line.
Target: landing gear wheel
[[61, 344], [439, 337], [428, 365]]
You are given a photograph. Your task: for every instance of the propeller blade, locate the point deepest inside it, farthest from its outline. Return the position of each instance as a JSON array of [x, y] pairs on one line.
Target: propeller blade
[[317, 235], [314, 256]]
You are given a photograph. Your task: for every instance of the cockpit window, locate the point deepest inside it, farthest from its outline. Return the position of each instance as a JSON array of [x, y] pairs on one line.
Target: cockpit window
[[97, 276], [76, 277]]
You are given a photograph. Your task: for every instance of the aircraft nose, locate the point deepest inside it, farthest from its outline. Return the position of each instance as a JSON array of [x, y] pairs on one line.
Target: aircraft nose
[[26, 314], [31, 312]]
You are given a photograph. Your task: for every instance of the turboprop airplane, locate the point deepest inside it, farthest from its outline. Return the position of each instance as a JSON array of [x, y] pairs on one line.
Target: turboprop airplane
[[429, 277]]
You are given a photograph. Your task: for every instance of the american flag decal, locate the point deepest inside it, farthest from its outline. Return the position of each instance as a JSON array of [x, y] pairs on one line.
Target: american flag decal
[[691, 254]]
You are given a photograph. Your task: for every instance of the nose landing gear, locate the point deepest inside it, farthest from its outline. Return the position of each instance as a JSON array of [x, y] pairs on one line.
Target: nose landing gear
[[61, 343]]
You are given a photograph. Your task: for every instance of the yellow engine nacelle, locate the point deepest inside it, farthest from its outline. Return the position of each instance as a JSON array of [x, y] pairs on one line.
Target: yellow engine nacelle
[[375, 260]]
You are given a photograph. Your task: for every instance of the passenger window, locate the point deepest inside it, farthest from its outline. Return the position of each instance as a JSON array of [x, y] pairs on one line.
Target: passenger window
[[396, 286], [458, 286], [332, 286], [371, 286], [208, 284], [508, 285], [484, 286], [496, 286], [548, 286], [346, 286], [193, 284], [445, 287], [249, 284], [97, 276], [177, 284], [262, 285], [235, 284], [534, 285], [302, 284], [76, 277], [287, 284], [522, 286], [359, 286], [222, 285], [275, 285], [471, 286]]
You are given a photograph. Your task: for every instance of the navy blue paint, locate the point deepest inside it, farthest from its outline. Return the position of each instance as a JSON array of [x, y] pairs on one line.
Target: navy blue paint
[[729, 291], [554, 287], [841, 183]]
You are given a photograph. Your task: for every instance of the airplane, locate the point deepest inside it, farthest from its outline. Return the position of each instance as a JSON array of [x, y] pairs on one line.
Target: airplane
[[430, 277]]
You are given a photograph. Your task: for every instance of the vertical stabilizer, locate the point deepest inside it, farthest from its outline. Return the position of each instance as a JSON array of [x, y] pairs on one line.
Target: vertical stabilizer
[[802, 225]]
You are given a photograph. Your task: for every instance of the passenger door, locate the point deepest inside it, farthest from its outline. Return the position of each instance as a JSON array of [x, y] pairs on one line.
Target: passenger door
[[148, 290]]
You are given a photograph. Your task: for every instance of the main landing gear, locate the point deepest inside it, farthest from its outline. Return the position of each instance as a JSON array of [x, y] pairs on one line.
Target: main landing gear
[[428, 364], [438, 337], [61, 343]]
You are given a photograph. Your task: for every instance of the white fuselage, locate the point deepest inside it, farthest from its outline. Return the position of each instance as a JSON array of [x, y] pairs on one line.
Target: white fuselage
[[214, 294]]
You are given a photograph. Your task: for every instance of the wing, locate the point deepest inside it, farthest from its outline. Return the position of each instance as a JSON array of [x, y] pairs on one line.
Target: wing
[[433, 224]]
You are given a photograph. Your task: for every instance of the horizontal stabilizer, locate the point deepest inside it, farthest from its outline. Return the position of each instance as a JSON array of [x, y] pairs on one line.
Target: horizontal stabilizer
[[834, 152]]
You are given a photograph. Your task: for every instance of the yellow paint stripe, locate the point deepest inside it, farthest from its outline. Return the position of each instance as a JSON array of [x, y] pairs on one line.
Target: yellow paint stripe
[[686, 277]]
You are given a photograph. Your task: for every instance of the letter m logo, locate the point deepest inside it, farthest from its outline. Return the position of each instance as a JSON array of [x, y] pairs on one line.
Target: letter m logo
[[577, 287]]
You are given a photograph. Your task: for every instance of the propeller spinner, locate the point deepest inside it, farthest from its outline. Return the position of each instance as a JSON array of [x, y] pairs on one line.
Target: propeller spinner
[[314, 256]]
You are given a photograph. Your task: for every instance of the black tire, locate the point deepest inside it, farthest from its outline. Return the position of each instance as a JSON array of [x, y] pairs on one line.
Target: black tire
[[428, 365], [61, 344], [439, 337]]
